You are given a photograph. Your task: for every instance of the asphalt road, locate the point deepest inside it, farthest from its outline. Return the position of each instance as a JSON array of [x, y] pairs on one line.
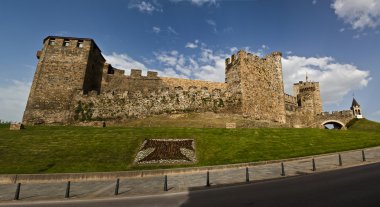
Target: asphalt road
[[357, 186]]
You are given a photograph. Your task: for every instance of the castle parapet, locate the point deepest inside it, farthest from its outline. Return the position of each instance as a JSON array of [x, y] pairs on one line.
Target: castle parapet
[[152, 74], [276, 54], [337, 113], [135, 73], [118, 71]]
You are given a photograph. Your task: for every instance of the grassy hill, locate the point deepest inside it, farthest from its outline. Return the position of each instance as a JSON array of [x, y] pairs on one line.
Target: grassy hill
[[51, 149], [363, 124]]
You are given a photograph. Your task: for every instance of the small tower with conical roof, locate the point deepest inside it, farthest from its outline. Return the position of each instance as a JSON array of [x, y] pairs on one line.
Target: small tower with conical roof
[[356, 110]]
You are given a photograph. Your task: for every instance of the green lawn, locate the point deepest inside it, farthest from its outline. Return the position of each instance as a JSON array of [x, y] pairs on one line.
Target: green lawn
[[52, 149]]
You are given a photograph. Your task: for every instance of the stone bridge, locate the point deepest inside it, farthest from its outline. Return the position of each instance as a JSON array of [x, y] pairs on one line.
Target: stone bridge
[[338, 119]]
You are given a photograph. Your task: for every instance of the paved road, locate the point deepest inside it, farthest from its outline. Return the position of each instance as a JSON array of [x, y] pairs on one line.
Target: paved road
[[357, 186]]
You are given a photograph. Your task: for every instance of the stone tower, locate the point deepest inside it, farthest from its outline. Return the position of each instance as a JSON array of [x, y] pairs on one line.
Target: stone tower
[[308, 96], [259, 82], [356, 110], [65, 66]]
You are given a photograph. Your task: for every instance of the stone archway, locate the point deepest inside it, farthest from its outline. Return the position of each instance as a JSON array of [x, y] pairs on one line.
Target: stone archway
[[335, 123]]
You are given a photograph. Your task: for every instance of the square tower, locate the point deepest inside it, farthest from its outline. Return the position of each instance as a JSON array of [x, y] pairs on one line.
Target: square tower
[[308, 96], [65, 66], [260, 83]]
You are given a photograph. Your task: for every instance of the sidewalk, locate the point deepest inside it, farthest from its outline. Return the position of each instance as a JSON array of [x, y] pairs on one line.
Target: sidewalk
[[183, 181]]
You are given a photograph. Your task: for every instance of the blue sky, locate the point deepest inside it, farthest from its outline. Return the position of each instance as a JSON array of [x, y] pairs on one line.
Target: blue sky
[[337, 42]]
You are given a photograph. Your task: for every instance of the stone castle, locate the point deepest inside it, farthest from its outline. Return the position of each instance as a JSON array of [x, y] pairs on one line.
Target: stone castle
[[73, 83]]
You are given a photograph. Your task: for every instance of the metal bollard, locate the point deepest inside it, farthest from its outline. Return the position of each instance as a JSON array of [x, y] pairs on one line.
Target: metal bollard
[[282, 169], [67, 195], [208, 179], [340, 160], [314, 168], [166, 183], [363, 156], [117, 187], [17, 194], [247, 175]]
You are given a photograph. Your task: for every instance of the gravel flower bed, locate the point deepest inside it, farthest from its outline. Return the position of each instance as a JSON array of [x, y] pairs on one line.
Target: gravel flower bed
[[166, 151]]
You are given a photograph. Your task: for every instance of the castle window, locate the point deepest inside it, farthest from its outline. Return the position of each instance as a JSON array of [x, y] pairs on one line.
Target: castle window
[[52, 42], [66, 43], [80, 43]]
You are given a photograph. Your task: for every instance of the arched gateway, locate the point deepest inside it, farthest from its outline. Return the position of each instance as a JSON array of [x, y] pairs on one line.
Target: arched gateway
[[334, 123]]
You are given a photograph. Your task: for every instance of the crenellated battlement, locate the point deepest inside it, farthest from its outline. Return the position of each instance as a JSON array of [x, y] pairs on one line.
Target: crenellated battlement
[[336, 113], [251, 57], [135, 73]]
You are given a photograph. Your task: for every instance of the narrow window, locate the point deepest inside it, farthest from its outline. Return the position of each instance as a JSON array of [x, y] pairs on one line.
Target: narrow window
[[66, 43], [80, 43], [52, 42]]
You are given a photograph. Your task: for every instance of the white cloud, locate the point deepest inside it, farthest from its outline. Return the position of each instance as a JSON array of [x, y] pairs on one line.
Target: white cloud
[[342, 30], [167, 58], [212, 66], [156, 29], [145, 6], [336, 79], [192, 45], [123, 61], [314, 2], [359, 13], [62, 33], [213, 24], [199, 2], [207, 65], [233, 50], [168, 30], [259, 52], [13, 100], [171, 30]]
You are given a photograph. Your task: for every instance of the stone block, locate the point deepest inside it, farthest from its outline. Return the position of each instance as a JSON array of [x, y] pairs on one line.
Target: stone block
[[16, 126], [231, 125], [152, 74]]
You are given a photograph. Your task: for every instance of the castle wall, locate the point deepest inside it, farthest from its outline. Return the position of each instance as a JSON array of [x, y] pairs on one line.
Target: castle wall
[[137, 81], [233, 82], [342, 116], [137, 96], [301, 118], [290, 103]]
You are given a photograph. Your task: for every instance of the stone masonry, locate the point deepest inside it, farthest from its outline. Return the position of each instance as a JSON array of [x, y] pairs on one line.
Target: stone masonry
[[74, 84]]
